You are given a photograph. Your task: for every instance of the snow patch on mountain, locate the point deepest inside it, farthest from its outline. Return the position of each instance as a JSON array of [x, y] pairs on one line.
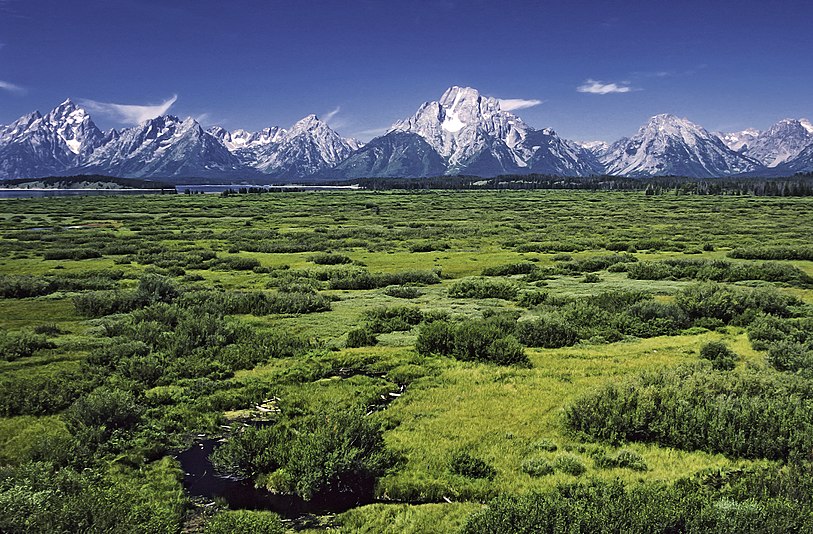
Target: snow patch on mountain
[[738, 141]]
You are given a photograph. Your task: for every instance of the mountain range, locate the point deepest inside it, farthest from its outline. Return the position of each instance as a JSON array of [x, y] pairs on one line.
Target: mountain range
[[464, 132]]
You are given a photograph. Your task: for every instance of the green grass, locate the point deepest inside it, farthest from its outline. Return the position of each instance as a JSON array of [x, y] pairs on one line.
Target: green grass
[[498, 414]]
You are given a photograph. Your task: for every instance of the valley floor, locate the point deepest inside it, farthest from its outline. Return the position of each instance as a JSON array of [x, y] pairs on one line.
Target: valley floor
[[130, 325]]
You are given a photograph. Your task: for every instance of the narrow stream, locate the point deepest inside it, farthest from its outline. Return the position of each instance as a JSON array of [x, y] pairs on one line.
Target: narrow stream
[[201, 480]]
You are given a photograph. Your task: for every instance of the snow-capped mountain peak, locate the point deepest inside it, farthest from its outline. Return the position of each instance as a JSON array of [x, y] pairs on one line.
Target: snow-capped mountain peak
[[240, 139], [163, 147], [467, 132], [594, 147], [739, 141], [463, 123], [463, 132], [670, 145], [309, 123], [309, 146], [37, 145], [781, 142]]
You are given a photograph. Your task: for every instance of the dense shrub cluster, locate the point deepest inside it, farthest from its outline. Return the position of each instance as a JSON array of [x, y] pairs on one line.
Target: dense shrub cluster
[[95, 417], [721, 357], [740, 502], [403, 292], [20, 344], [257, 302], [22, 286], [749, 414], [39, 497], [549, 331], [779, 252], [606, 316], [363, 279], [569, 464], [361, 337], [156, 289], [718, 271], [472, 340], [537, 467], [101, 303], [392, 319], [531, 299], [789, 342], [725, 303], [428, 246], [151, 289], [71, 254], [326, 258], [510, 269], [464, 464], [483, 288], [332, 452], [41, 394]]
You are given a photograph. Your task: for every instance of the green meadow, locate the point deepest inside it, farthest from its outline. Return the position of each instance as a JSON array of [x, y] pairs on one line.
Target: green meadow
[[489, 361]]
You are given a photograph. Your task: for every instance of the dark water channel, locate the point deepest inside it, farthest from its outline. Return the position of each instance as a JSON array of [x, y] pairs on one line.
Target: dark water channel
[[201, 480]]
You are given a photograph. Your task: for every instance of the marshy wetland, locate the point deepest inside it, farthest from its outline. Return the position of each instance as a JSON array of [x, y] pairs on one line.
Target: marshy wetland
[[489, 361]]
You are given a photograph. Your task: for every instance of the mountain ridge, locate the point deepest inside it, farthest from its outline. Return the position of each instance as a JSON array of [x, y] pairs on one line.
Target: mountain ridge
[[463, 132]]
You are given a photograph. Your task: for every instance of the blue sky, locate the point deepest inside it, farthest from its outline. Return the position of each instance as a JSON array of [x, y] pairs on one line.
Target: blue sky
[[599, 68]]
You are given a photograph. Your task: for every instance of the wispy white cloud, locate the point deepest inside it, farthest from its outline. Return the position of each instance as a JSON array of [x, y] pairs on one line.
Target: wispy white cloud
[[327, 117], [597, 87], [12, 88], [129, 113], [511, 104]]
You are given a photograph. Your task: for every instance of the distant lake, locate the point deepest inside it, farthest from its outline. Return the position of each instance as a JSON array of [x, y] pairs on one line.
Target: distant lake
[[35, 193], [208, 189], [219, 188]]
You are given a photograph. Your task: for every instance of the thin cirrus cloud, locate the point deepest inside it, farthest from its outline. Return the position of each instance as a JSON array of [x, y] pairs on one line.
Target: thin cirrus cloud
[[512, 104], [330, 118], [129, 113], [11, 88], [597, 87], [327, 117]]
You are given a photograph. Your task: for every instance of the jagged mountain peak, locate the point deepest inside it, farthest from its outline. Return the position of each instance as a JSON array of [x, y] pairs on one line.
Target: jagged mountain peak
[[739, 141], [308, 123], [594, 147], [241, 140], [456, 95], [309, 146], [471, 134], [164, 146], [36, 145], [666, 124], [781, 142], [464, 131], [463, 124], [65, 109], [670, 145]]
